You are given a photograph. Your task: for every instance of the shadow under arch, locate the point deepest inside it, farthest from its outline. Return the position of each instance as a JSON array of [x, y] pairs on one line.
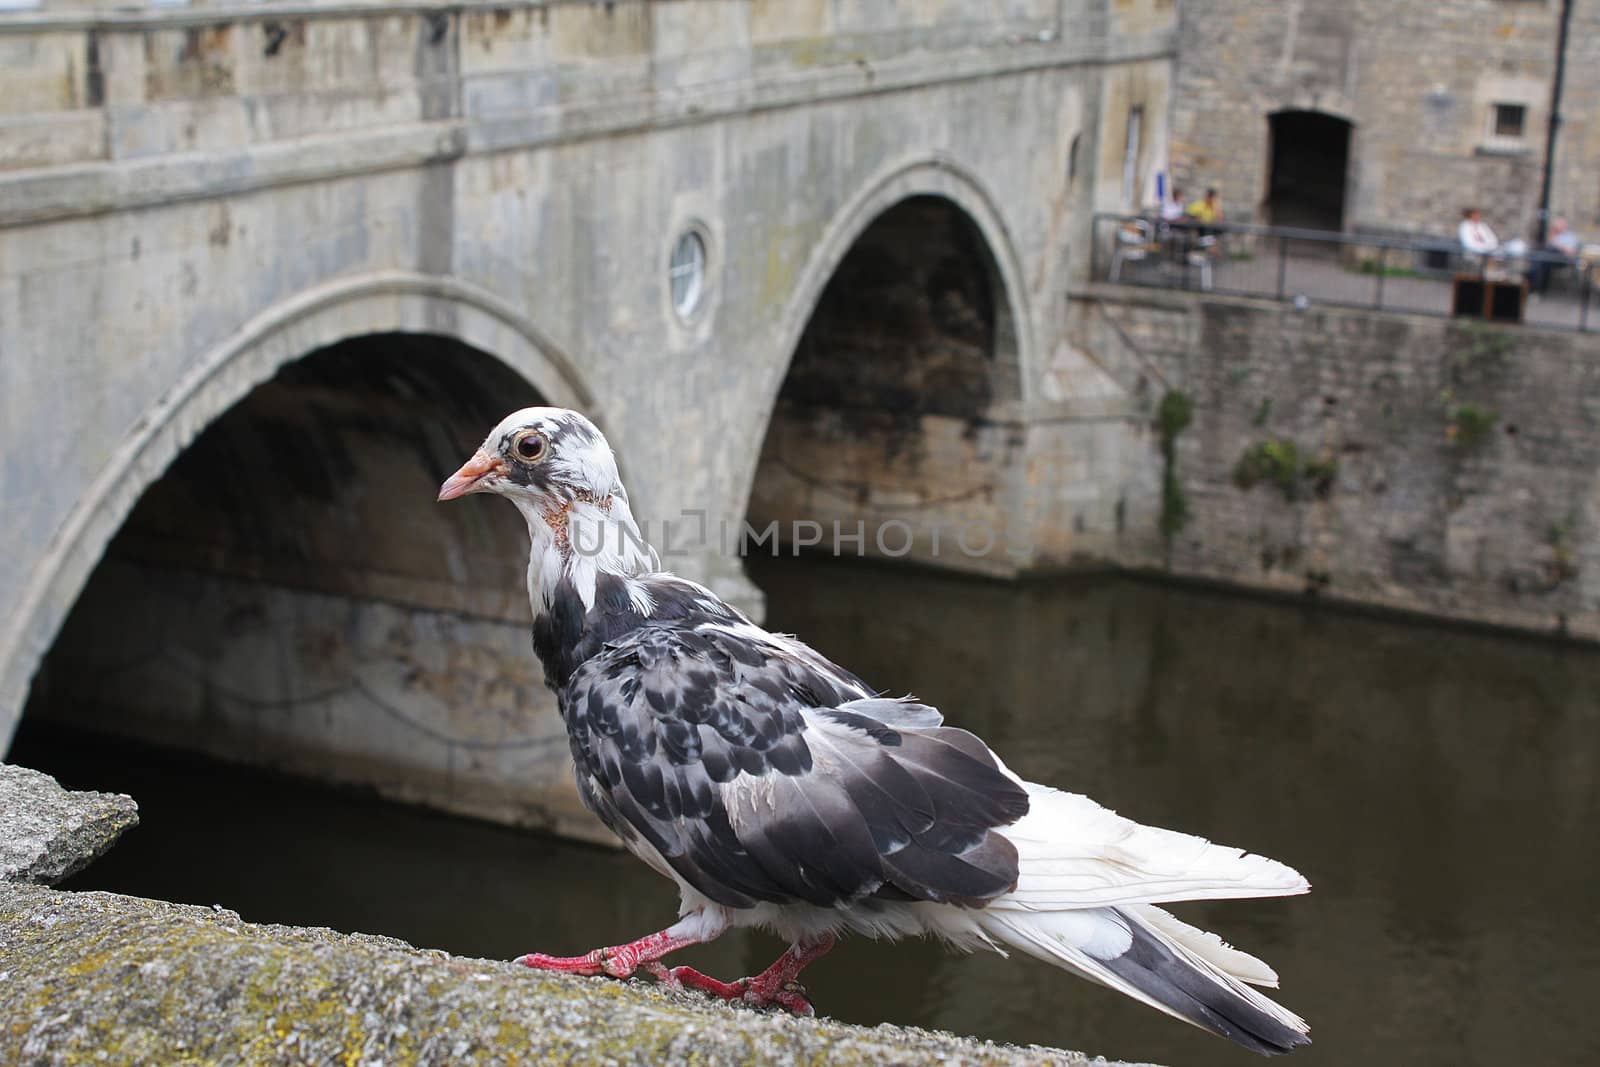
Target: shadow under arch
[[930, 176], [903, 381], [386, 302]]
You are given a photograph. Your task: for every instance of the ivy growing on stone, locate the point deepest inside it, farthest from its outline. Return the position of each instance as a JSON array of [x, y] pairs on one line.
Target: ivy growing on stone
[[1562, 538], [1173, 416], [1278, 462]]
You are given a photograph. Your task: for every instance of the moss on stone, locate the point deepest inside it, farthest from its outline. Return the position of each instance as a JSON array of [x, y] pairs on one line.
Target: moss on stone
[[96, 977], [1173, 417]]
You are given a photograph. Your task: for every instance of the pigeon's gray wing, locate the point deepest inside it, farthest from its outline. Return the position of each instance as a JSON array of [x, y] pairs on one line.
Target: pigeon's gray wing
[[896, 712], [759, 771]]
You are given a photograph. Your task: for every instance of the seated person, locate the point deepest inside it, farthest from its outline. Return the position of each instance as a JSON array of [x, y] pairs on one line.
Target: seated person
[[1172, 207], [1477, 239], [1560, 250], [1206, 212]]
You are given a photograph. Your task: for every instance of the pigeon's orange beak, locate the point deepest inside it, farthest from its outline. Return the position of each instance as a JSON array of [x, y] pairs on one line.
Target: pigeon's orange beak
[[470, 477]]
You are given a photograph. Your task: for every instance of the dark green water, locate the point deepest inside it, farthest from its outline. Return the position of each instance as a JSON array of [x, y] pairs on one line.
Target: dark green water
[[1438, 787]]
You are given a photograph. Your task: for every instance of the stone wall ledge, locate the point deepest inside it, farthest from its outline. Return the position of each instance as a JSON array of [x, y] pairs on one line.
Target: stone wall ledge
[[109, 180], [91, 977], [1502, 531], [48, 833]]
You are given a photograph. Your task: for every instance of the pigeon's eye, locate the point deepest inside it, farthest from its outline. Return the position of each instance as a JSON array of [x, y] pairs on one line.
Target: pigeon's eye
[[529, 446]]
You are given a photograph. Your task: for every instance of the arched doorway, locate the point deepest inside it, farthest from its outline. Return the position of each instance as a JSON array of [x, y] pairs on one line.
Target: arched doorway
[[883, 427], [1310, 167], [288, 593]]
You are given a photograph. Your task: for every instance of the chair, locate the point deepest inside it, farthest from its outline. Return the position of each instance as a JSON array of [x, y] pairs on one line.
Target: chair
[[1135, 241]]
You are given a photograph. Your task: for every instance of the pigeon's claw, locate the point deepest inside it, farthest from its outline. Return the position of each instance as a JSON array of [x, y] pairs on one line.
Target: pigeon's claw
[[591, 963], [689, 978], [774, 987], [792, 999], [765, 990], [617, 961]]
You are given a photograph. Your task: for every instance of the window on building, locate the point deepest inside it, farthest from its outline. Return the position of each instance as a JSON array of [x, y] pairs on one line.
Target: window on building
[[1510, 120], [1130, 157], [686, 273]]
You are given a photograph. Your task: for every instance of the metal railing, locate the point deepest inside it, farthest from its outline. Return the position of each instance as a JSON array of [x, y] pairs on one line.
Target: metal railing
[[1406, 273]]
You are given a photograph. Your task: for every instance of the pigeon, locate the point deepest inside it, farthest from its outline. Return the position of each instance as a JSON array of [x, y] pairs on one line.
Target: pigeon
[[780, 791]]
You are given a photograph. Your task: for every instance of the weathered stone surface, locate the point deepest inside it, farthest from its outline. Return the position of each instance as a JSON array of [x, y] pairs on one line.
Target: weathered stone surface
[[141, 981], [48, 833], [1439, 466], [1423, 137]]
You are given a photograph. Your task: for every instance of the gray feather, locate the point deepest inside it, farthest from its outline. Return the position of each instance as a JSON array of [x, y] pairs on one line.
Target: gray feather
[[761, 772], [902, 712]]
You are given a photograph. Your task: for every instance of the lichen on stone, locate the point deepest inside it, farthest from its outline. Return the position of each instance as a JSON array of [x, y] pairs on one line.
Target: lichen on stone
[[97, 977]]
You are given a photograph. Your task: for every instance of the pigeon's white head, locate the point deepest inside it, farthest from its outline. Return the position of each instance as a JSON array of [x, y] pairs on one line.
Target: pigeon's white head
[[557, 468], [540, 458]]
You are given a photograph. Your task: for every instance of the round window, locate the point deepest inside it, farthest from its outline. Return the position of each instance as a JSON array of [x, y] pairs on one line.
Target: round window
[[686, 273]]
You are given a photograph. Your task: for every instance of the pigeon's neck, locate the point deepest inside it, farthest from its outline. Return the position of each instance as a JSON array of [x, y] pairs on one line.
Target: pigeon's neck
[[585, 556]]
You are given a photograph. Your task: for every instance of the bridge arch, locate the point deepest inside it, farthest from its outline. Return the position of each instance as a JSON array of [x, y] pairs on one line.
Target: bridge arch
[[386, 302], [905, 357], [933, 176]]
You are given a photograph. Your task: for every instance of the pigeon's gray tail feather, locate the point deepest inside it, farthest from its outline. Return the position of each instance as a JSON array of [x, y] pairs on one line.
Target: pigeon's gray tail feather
[[1142, 959], [1202, 995]]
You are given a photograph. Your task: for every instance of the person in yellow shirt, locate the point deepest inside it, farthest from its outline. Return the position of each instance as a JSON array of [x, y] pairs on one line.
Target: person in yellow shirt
[[1206, 209], [1206, 212]]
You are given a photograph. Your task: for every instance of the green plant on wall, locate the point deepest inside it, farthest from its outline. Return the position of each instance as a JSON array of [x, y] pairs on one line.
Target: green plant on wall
[[1277, 462], [1173, 416], [1469, 427], [1562, 539]]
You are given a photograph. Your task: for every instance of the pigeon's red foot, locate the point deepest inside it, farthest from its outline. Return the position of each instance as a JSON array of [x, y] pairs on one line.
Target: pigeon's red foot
[[777, 986], [600, 961], [618, 961], [789, 995]]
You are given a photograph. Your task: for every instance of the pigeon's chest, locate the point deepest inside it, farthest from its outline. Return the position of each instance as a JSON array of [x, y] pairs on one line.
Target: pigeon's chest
[[569, 632]]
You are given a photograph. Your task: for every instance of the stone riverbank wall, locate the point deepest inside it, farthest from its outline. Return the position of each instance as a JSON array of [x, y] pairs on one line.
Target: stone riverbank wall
[[104, 978], [1443, 467]]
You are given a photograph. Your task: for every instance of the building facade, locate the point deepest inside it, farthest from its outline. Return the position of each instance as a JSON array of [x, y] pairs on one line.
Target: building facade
[[1381, 116]]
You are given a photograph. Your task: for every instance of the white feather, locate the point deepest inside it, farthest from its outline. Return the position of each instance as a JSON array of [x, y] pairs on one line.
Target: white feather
[[1073, 853], [1208, 946]]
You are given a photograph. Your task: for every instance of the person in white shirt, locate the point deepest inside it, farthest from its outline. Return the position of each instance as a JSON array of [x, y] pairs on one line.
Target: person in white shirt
[[1172, 207], [1562, 242], [1476, 237], [1562, 239]]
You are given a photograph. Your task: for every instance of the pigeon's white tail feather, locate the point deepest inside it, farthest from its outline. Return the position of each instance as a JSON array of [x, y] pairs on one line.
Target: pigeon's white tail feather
[[1208, 946], [1119, 948], [1073, 853], [1087, 885]]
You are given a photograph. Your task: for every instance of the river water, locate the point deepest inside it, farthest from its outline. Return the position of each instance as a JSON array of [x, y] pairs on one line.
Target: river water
[[1438, 787]]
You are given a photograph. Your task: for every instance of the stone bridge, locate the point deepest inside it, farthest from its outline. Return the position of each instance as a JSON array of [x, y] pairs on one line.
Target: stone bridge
[[268, 271]]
